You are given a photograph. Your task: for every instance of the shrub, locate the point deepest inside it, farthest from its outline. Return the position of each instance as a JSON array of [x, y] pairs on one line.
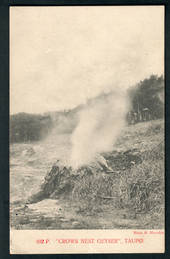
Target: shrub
[[139, 189]]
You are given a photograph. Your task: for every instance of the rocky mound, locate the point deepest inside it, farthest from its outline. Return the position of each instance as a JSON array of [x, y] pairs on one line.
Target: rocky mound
[[61, 179]]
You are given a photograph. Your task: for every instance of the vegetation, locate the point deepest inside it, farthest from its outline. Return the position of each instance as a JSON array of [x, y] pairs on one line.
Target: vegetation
[[148, 96], [129, 196], [29, 127], [138, 190]]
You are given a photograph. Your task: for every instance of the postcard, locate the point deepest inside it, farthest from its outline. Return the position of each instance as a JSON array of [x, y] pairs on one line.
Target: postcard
[[87, 129]]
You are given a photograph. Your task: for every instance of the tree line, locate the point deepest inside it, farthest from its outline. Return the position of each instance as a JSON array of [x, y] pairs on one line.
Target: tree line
[[147, 103], [147, 100], [29, 127]]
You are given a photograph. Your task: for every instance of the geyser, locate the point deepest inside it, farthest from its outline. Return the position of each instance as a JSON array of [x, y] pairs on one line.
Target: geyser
[[100, 123]]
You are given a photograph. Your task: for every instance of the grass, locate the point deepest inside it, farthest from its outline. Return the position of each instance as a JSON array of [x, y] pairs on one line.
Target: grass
[[139, 189], [131, 197]]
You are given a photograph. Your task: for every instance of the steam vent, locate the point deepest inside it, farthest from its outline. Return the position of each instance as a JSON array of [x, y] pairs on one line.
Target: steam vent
[[61, 180]]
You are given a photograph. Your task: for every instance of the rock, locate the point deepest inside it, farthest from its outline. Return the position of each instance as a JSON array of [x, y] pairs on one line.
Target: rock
[[61, 179], [75, 223], [64, 220], [123, 160]]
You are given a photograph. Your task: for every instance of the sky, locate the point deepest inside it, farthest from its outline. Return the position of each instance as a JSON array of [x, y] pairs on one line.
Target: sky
[[62, 56]]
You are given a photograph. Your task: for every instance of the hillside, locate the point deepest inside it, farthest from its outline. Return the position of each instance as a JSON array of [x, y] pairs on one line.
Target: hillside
[[129, 196], [147, 103]]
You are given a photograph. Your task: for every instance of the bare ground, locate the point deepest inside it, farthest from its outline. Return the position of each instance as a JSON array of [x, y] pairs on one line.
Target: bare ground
[[132, 197]]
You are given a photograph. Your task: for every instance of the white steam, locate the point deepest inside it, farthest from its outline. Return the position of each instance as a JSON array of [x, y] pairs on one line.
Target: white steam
[[100, 123]]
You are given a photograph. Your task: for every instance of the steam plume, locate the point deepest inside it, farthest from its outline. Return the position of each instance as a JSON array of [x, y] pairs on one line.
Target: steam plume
[[100, 123]]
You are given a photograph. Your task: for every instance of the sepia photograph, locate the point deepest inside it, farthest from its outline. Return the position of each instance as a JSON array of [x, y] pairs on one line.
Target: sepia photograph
[[87, 119]]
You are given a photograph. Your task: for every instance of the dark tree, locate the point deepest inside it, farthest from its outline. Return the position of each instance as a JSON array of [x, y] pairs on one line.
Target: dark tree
[[28, 127], [147, 95]]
